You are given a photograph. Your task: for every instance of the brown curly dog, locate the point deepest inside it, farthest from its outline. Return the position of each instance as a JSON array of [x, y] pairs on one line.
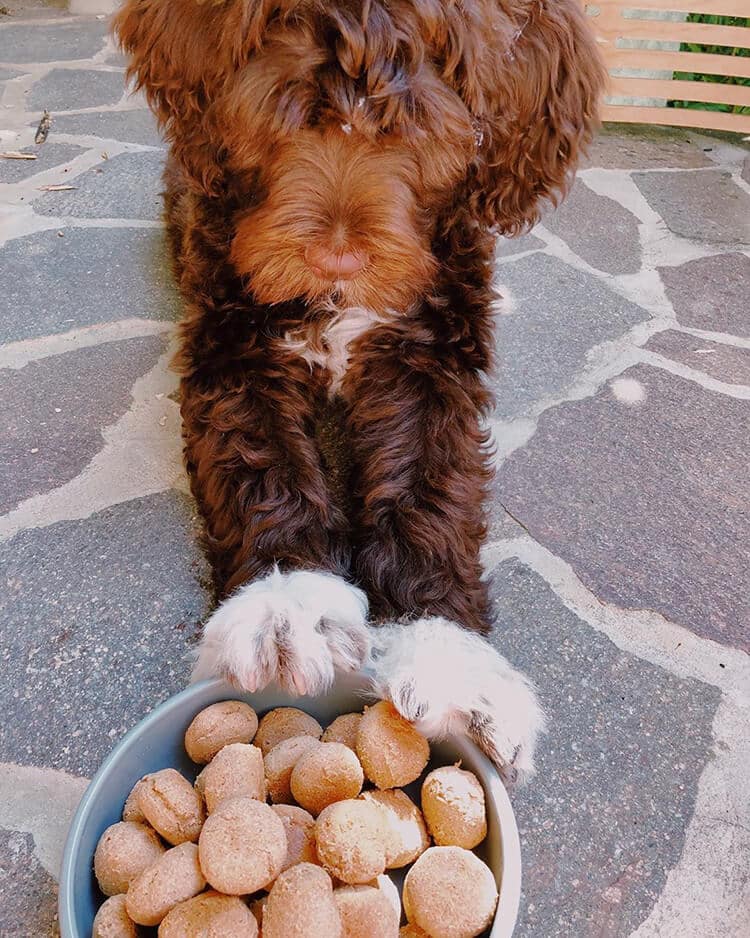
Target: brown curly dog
[[336, 171]]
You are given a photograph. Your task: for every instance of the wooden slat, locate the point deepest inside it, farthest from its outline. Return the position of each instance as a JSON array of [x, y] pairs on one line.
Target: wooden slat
[[676, 117], [664, 60], [711, 7], [707, 92], [612, 27]]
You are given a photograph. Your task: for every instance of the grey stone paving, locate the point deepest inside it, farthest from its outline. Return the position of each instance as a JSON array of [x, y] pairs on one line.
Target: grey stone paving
[[553, 315], [648, 501], [629, 740], [723, 362], [135, 126], [619, 520], [615, 249], [52, 154], [69, 88], [84, 277], [125, 186], [103, 613], [711, 293], [715, 210], [49, 419]]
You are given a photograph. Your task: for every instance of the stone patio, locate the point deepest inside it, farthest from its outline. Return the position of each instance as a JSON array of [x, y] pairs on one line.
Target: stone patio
[[620, 515]]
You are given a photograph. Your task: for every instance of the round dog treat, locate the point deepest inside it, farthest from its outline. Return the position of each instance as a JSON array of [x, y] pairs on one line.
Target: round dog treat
[[235, 771], [406, 836], [242, 846], [175, 877], [284, 723], [301, 904], [124, 851], [210, 915], [223, 723], [279, 764], [365, 912], [112, 920], [344, 730], [453, 806], [450, 893], [172, 806], [300, 834], [391, 751], [330, 772], [351, 836], [132, 809]]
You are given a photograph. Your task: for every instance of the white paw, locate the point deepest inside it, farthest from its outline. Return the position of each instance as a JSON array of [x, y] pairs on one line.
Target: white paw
[[446, 679], [294, 628]]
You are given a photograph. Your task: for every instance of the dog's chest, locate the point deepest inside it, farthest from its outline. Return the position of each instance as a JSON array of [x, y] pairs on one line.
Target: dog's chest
[[329, 346]]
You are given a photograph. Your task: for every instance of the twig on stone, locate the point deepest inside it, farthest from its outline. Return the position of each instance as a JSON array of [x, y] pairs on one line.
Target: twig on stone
[[43, 129]]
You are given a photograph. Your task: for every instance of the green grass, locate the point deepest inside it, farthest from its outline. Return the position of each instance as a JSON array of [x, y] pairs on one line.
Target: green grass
[[714, 50]]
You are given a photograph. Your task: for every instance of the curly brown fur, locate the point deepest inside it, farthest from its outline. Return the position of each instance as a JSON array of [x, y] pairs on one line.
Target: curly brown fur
[[391, 135]]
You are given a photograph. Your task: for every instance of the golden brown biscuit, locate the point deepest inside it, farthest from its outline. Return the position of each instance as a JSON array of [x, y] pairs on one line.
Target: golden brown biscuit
[[330, 772], [175, 877], [300, 905], [300, 834], [365, 912], [450, 893], [407, 836], [351, 836], [242, 846], [284, 723], [124, 851], [132, 809], [279, 764], [209, 915], [113, 921], [454, 808], [171, 806], [344, 730], [223, 723], [235, 771], [392, 752]]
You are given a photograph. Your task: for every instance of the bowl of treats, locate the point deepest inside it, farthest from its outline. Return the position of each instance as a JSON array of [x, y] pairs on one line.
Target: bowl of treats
[[249, 815]]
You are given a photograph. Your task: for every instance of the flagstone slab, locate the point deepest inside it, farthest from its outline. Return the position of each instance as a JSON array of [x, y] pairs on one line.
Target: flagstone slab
[[96, 619], [53, 411], [711, 293], [87, 276], [124, 186], [134, 126], [35, 42], [724, 362], [708, 206], [47, 156], [597, 229], [604, 820], [64, 89], [554, 314], [649, 501]]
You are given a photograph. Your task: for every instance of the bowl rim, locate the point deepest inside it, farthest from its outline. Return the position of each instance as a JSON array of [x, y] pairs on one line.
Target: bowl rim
[[504, 922]]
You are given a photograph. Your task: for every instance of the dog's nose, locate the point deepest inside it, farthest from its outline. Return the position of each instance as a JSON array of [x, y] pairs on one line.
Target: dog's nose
[[335, 265]]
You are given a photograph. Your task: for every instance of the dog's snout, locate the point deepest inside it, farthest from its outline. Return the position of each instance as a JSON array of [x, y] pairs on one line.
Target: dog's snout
[[335, 265]]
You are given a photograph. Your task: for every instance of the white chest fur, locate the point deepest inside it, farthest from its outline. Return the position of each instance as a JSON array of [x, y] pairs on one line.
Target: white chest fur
[[330, 347]]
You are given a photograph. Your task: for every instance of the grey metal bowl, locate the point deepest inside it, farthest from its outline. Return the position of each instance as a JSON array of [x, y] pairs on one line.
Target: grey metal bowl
[[156, 742]]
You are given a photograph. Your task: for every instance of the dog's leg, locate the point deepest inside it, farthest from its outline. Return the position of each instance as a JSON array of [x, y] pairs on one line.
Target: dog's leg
[[447, 679], [277, 542], [415, 394]]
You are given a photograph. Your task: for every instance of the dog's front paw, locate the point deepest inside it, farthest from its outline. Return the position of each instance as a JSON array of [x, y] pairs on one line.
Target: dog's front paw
[[448, 680], [295, 628]]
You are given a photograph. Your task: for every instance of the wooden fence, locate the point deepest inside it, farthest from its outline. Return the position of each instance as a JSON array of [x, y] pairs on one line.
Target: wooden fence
[[647, 49]]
